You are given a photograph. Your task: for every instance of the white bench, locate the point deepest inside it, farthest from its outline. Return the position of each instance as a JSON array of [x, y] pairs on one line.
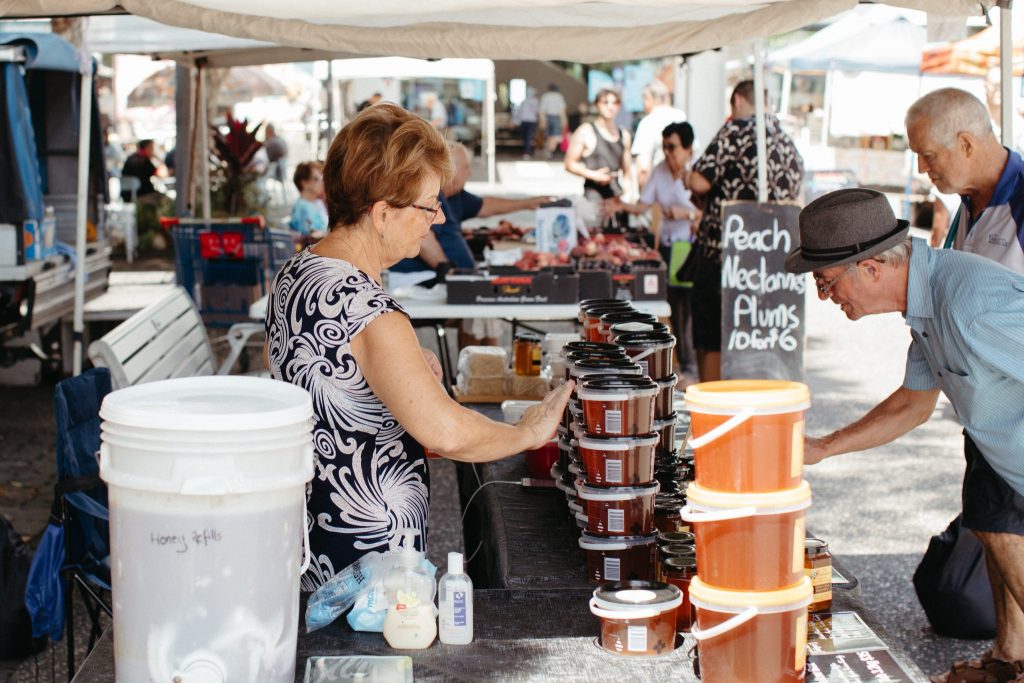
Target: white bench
[[166, 339]]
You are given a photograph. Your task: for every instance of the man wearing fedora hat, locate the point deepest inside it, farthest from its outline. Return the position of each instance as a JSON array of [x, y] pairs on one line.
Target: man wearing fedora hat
[[966, 319]]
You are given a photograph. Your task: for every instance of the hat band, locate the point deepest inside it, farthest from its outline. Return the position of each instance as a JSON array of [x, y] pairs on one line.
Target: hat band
[[851, 250]]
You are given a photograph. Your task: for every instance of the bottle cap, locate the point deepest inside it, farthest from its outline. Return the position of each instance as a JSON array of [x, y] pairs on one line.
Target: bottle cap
[[454, 563], [407, 555]]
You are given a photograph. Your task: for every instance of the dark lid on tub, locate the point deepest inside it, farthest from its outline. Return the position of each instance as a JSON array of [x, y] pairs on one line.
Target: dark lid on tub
[[626, 316], [635, 593], [621, 373], [527, 336], [645, 339], [590, 346], [614, 383], [815, 546], [637, 326], [597, 303], [680, 563], [598, 311], [574, 356], [602, 364], [669, 537]]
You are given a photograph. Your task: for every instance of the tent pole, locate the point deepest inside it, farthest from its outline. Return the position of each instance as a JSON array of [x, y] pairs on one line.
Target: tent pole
[[84, 128], [489, 133], [760, 113], [1006, 72], [204, 142]]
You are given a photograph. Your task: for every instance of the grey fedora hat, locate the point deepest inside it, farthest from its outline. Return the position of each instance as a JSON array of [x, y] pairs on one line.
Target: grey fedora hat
[[843, 227]]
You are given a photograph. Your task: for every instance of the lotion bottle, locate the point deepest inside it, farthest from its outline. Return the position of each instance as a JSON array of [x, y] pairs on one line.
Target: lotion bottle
[[455, 602], [411, 622]]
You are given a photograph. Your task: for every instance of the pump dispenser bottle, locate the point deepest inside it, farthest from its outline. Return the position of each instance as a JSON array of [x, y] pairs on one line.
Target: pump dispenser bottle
[[455, 602], [411, 622]]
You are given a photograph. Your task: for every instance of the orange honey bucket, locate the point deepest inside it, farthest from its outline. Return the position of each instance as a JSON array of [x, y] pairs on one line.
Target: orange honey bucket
[[748, 541], [750, 636], [748, 435]]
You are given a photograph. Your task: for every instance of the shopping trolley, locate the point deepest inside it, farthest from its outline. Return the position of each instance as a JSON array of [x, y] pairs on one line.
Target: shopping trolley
[[226, 264]]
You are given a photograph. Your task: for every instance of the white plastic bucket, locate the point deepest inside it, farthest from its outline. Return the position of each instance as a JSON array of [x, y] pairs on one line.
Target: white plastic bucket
[[206, 480]]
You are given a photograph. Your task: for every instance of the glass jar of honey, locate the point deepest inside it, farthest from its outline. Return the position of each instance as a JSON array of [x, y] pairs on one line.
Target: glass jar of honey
[[526, 354], [818, 567]]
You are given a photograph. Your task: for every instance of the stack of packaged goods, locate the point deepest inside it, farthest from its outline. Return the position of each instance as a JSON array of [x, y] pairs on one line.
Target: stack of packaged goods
[[747, 507]]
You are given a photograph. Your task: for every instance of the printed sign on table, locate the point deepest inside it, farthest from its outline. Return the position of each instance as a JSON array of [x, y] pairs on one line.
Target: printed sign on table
[[762, 304]]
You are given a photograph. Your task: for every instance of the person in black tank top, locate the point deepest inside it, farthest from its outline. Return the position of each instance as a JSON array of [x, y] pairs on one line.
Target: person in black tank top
[[598, 151]]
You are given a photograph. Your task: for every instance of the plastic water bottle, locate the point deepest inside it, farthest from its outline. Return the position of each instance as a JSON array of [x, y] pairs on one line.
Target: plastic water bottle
[[455, 603]]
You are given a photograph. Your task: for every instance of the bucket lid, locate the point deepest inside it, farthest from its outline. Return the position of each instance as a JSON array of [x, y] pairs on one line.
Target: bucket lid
[[781, 600], [574, 357], [656, 340], [590, 303], [736, 394], [617, 389], [627, 316], [637, 326], [669, 537], [667, 382], [616, 492], [662, 422], [590, 346], [680, 562], [628, 595], [600, 364], [766, 503], [590, 542], [617, 443], [215, 403], [815, 546]]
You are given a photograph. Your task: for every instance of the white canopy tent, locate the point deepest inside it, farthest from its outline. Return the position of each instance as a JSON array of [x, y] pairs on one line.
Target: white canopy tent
[[573, 30]]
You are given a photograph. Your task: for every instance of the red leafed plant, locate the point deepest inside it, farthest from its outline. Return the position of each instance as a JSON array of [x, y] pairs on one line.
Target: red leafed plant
[[234, 152]]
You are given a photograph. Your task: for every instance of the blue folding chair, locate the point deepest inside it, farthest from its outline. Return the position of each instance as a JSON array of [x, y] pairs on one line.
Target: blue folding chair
[[79, 515]]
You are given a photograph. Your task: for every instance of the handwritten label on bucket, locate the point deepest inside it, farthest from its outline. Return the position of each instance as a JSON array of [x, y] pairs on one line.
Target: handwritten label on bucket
[[181, 543], [762, 304]]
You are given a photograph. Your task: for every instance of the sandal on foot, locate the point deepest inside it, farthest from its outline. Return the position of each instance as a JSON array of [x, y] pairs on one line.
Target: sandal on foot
[[986, 669]]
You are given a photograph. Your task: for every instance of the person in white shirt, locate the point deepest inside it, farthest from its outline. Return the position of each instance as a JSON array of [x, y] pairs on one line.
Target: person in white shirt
[[647, 141], [669, 189], [553, 118]]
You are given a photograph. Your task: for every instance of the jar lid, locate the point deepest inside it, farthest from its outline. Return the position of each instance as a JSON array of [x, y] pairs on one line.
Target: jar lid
[[617, 443], [610, 493], [527, 336], [589, 346], [680, 563], [669, 537], [590, 542], [815, 546], [655, 339], [627, 316], [630, 594], [679, 549]]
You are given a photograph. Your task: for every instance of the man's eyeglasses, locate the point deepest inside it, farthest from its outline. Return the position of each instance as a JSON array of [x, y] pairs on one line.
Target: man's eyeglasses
[[825, 288], [428, 209]]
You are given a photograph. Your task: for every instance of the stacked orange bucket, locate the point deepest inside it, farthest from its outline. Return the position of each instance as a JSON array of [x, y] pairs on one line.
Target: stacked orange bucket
[[747, 507]]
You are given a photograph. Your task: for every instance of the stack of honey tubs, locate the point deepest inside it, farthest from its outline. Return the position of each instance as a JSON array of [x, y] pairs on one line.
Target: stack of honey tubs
[[747, 507]]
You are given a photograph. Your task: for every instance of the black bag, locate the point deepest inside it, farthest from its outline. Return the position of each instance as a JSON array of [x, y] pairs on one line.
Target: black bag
[[688, 270], [15, 625], [952, 585]]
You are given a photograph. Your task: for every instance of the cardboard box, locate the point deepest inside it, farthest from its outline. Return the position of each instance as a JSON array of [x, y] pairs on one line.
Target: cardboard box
[[547, 286], [644, 281]]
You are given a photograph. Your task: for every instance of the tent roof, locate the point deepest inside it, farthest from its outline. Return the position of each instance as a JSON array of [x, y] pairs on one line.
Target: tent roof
[[868, 38], [576, 30]]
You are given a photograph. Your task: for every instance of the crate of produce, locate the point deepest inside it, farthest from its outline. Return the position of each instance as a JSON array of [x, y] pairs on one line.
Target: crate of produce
[[514, 286]]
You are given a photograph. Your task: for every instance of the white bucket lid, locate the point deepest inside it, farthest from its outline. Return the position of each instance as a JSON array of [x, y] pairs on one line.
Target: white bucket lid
[[589, 542], [618, 492], [618, 444], [216, 403], [763, 396], [708, 597]]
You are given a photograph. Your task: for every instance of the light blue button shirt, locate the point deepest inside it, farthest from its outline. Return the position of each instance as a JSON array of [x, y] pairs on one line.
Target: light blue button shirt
[[966, 316]]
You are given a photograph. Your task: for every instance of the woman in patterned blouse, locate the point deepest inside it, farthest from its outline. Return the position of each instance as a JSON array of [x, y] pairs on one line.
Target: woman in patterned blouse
[[334, 331]]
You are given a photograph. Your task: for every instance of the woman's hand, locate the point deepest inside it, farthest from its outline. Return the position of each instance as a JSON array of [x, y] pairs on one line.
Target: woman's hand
[[542, 419], [432, 363]]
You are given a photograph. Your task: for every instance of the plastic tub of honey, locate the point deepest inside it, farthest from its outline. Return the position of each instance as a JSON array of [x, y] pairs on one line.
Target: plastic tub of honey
[[602, 366], [750, 636], [589, 347], [633, 326], [666, 512], [587, 304], [616, 559], [621, 510], [749, 541], [576, 356], [638, 618], [666, 388], [748, 435], [592, 319], [618, 407], [652, 350], [618, 460], [609, 319], [679, 571], [666, 429]]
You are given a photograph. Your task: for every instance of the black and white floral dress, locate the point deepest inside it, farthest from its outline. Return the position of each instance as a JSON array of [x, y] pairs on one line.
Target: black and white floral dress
[[371, 477]]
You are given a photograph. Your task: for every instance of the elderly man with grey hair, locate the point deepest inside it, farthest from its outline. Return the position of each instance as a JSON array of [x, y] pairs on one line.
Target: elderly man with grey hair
[[950, 132], [966, 320], [658, 113]]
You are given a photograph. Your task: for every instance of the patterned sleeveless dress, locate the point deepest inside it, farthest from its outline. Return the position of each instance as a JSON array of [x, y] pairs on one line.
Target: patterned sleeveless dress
[[371, 477]]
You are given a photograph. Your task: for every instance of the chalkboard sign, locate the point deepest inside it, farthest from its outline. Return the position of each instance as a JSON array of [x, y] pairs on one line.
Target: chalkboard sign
[[762, 304]]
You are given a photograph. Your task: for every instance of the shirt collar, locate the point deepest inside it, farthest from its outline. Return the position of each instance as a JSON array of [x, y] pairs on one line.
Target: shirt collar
[[919, 300], [1008, 180]]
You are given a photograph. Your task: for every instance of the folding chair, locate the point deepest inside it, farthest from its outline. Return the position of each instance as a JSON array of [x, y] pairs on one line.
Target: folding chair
[[82, 501]]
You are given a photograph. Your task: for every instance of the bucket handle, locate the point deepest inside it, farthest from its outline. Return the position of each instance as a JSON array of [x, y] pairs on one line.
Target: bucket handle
[[643, 354], [690, 515], [620, 615], [722, 429], [306, 553], [729, 624]]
